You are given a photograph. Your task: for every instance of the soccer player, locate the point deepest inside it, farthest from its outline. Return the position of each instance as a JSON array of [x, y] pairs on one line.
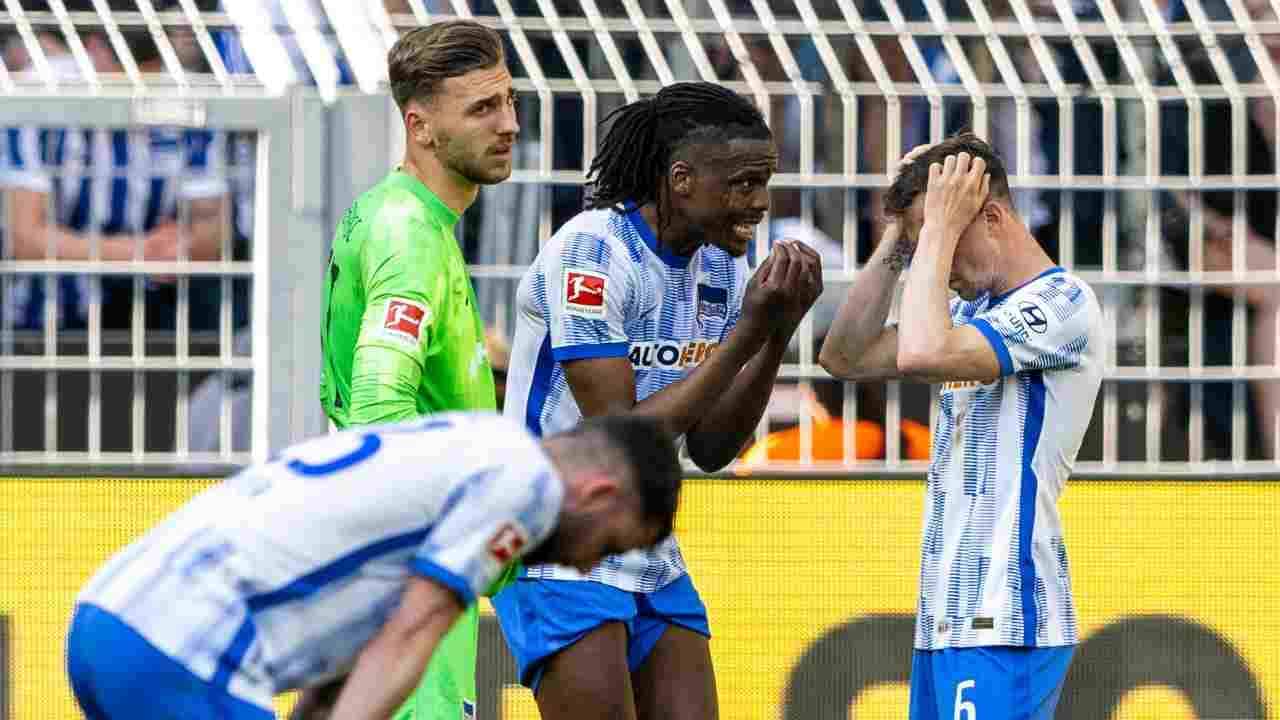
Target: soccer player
[[402, 335], [353, 553], [642, 304], [1019, 357]]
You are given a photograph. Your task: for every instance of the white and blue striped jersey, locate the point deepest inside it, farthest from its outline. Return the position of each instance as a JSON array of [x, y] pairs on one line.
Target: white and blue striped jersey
[[110, 181], [603, 287], [276, 578], [994, 563]]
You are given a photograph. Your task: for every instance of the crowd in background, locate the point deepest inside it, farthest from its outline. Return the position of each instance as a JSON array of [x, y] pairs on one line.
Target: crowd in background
[[160, 194]]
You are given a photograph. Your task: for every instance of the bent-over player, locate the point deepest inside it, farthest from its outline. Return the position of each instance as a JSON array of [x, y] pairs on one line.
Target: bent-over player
[[352, 554]]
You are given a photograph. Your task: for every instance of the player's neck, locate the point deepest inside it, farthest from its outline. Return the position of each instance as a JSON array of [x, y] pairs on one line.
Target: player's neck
[[1022, 261], [671, 231], [453, 190]]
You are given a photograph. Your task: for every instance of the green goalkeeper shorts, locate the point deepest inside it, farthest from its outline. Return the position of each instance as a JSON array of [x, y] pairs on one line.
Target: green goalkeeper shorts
[[447, 690]]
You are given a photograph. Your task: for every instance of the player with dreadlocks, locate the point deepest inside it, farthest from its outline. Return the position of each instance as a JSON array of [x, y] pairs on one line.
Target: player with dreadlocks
[[644, 303]]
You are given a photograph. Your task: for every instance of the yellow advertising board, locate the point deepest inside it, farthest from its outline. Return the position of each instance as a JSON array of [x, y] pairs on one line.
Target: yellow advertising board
[[810, 585]]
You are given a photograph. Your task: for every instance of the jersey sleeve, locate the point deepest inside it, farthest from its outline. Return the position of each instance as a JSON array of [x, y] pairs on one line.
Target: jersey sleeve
[[489, 522], [404, 290], [588, 288], [1044, 326], [22, 165], [405, 285], [384, 386]]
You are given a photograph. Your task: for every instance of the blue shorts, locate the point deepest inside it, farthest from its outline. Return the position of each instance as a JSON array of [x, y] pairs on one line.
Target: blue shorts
[[117, 674], [542, 617], [1015, 683]]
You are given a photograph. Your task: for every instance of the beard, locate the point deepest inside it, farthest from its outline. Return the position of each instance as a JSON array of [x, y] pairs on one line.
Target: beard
[[477, 166]]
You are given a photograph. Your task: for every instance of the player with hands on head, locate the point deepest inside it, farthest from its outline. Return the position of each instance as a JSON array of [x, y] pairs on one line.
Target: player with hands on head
[[674, 326], [1018, 353], [351, 555]]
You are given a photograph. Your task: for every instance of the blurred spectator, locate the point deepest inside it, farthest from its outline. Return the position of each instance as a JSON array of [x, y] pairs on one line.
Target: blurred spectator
[[148, 193], [205, 409], [1260, 210]]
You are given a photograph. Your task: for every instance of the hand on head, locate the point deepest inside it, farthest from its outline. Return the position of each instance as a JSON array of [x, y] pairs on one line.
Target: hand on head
[[958, 188]]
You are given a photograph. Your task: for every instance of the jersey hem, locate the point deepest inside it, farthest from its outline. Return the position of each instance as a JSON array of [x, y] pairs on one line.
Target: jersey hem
[[590, 350], [997, 344], [544, 572], [445, 577], [965, 646]]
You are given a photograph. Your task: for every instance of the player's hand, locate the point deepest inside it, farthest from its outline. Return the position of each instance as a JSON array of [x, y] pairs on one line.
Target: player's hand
[[761, 298], [957, 189], [801, 288]]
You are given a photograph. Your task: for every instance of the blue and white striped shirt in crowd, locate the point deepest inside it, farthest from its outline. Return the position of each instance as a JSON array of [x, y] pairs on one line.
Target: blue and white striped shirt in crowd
[[110, 181]]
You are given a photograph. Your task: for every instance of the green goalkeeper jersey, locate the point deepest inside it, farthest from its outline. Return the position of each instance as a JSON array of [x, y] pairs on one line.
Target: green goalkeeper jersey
[[402, 335]]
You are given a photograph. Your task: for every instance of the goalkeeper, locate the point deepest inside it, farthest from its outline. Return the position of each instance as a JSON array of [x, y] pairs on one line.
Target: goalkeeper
[[402, 336]]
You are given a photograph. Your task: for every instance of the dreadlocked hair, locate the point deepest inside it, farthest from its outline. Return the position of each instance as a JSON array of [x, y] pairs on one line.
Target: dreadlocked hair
[[644, 136]]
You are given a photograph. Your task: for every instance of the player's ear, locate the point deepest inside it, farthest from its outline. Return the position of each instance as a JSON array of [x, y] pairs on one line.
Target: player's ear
[[993, 213], [418, 122], [599, 489], [680, 177]]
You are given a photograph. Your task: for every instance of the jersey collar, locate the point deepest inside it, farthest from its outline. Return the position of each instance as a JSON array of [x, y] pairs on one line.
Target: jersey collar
[[438, 210], [997, 299], [679, 262]]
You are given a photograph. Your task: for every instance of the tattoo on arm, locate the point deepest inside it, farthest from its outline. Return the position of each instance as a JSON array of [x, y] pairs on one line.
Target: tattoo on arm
[[900, 257]]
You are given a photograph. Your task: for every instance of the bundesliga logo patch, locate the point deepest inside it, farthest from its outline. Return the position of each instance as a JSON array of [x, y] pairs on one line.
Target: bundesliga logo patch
[[506, 543], [584, 293], [404, 319]]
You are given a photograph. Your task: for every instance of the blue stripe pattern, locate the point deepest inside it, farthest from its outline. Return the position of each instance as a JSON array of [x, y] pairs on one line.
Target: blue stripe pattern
[[1027, 502], [590, 350], [539, 388]]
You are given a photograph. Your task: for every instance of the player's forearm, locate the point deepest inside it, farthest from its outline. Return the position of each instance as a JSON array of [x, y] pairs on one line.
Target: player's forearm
[[721, 434], [682, 404], [384, 385], [390, 667], [923, 336], [861, 319]]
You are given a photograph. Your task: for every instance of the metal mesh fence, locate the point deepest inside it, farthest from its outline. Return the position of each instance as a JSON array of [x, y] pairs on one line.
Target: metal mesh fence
[[1139, 137]]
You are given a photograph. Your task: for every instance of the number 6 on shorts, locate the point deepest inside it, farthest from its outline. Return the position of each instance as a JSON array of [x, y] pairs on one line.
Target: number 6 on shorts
[[965, 710]]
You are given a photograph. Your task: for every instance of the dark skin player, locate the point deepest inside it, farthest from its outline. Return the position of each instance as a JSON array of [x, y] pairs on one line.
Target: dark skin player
[[713, 190]]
